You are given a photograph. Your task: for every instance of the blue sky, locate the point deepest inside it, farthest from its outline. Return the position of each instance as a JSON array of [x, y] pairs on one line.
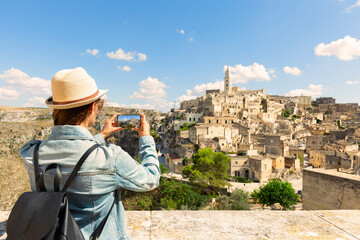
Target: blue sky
[[151, 53]]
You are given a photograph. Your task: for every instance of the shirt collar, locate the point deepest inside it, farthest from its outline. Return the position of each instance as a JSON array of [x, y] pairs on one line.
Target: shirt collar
[[70, 132]]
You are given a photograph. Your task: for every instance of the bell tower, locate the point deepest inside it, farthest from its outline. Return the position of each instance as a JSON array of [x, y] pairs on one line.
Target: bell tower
[[227, 81]]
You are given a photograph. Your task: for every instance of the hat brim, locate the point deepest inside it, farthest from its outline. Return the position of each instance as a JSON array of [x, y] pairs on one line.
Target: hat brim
[[51, 104]]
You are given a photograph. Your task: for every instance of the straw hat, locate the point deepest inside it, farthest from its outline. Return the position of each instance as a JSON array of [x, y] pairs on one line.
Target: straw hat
[[73, 88]]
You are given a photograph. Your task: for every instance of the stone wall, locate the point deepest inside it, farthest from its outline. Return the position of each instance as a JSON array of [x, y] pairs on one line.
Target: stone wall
[[245, 225], [330, 190]]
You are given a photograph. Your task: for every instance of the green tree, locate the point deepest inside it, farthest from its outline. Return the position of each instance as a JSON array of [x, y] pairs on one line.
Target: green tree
[[276, 191], [163, 169], [209, 169], [286, 113]]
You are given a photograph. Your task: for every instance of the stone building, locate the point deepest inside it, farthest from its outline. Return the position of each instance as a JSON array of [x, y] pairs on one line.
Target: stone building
[[236, 166], [315, 142], [317, 158], [337, 160], [259, 168], [231, 102], [278, 162], [292, 162], [255, 168], [273, 145], [304, 102], [325, 100], [193, 117]]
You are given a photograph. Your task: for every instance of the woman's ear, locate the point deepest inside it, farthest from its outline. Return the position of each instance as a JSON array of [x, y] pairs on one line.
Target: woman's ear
[[92, 108]]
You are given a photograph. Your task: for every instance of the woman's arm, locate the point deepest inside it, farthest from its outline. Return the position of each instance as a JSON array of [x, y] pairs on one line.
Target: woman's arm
[[132, 175]]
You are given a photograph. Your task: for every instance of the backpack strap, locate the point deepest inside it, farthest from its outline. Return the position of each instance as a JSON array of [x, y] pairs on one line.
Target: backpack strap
[[78, 166], [56, 178], [98, 230], [37, 169]]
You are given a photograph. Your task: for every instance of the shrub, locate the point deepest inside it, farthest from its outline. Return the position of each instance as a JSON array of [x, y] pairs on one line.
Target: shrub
[[276, 191], [163, 169], [286, 113], [237, 201], [173, 195], [240, 200], [243, 180]]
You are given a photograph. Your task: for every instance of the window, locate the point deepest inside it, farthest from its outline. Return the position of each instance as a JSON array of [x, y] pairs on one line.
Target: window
[[189, 119], [217, 121], [236, 162], [209, 121], [194, 119], [232, 121], [225, 121]]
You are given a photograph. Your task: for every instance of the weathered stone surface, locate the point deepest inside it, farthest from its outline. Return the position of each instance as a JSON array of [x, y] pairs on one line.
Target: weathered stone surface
[[247, 225], [330, 190]]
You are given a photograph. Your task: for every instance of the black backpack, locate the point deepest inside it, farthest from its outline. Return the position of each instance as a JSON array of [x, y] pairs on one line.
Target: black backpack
[[46, 215]]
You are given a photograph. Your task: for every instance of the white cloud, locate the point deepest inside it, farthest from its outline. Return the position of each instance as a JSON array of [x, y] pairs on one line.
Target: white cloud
[[152, 91], [7, 93], [35, 102], [345, 49], [313, 90], [191, 39], [200, 90], [242, 74], [32, 85], [93, 52], [129, 56], [142, 106], [125, 68], [187, 96], [181, 31], [142, 57], [349, 9], [352, 82], [107, 103], [292, 70]]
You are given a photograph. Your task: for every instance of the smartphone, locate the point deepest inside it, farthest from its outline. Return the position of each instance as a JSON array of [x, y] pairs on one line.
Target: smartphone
[[128, 121]]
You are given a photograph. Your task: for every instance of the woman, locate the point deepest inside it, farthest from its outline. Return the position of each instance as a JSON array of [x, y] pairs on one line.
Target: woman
[[76, 102]]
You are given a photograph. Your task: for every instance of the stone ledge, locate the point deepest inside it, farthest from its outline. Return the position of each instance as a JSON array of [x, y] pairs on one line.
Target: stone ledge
[[247, 225]]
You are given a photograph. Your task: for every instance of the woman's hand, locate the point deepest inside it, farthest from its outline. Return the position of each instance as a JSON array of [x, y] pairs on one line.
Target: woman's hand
[[144, 129], [108, 128]]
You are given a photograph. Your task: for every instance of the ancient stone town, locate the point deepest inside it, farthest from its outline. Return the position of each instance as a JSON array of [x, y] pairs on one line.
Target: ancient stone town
[[269, 136]]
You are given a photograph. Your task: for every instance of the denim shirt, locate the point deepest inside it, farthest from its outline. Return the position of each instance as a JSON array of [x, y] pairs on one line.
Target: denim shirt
[[107, 169]]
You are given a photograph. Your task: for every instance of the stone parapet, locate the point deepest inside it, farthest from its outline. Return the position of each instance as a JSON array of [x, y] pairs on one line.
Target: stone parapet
[[247, 225], [330, 190]]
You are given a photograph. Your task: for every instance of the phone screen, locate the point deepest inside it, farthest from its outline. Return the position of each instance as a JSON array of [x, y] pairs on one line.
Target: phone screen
[[128, 121]]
